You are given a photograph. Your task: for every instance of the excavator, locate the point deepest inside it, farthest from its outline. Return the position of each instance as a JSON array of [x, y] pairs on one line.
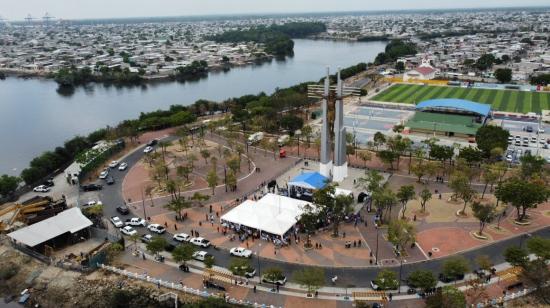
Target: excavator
[[28, 212]]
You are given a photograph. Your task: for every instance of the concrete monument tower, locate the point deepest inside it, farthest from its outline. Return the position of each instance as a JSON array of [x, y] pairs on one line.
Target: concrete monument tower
[[336, 170]]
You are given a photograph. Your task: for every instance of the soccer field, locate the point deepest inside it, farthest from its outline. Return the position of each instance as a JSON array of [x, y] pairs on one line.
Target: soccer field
[[503, 100]]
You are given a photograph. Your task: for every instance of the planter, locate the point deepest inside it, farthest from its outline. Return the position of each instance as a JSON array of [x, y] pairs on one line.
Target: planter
[[479, 236], [522, 223], [459, 213]]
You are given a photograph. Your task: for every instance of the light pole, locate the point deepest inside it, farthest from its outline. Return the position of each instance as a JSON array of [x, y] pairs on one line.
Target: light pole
[[376, 244], [259, 264], [77, 191], [400, 273], [143, 204]]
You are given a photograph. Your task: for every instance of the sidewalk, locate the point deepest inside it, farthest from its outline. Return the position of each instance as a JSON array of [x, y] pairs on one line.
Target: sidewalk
[[291, 295]]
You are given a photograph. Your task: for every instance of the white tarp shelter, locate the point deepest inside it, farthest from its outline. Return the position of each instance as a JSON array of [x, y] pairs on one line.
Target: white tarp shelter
[[71, 220], [274, 214]]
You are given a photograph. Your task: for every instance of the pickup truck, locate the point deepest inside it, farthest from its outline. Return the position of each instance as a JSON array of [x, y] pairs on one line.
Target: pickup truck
[[135, 222]]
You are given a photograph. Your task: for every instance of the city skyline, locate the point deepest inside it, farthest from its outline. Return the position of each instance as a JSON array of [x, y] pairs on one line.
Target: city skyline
[[64, 9]]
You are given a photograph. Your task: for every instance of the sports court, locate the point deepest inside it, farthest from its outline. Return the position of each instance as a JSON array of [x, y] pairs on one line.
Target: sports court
[[502, 100]]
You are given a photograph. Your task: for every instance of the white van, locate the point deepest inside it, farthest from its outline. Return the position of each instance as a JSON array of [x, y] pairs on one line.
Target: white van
[[283, 140], [256, 137]]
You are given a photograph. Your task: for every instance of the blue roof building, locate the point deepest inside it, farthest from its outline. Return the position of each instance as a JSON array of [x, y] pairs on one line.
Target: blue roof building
[[309, 180], [455, 105]]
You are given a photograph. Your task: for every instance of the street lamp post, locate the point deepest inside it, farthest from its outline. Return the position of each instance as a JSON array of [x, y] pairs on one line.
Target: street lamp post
[[143, 204], [77, 191], [400, 273], [376, 245], [259, 264]]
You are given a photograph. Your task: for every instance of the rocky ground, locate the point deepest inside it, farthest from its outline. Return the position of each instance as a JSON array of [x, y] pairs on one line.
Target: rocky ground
[[51, 286]]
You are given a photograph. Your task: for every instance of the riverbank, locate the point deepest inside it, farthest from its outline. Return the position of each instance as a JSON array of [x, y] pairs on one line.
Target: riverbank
[[32, 105]]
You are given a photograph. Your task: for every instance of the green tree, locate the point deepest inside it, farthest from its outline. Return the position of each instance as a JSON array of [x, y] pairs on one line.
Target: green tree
[[384, 199], [489, 176], [425, 196], [291, 122], [460, 185], [212, 179], [516, 256], [371, 182], [365, 156], [8, 184], [205, 155], [531, 166], [309, 220], [471, 155], [209, 261], [540, 247], [183, 253], [273, 273], [489, 137], [386, 280], [387, 157], [522, 194], [379, 139], [179, 204], [503, 75], [311, 278], [401, 234], [338, 206], [404, 195], [422, 279], [240, 266], [448, 297], [485, 213], [484, 262], [156, 245], [485, 62], [455, 267], [114, 250]]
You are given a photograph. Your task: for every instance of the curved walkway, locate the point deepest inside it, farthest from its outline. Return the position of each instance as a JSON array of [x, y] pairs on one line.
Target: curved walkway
[[357, 276]]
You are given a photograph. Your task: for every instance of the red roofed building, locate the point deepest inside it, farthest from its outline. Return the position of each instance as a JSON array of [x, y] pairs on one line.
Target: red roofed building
[[424, 72]]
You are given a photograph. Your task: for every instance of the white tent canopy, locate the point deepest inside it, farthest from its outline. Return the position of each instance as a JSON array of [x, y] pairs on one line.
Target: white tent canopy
[[274, 214], [71, 220]]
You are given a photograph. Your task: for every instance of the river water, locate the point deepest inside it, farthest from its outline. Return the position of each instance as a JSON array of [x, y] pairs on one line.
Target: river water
[[34, 118]]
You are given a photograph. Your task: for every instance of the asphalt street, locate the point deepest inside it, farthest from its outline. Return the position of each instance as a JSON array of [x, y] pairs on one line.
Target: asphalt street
[[111, 196]]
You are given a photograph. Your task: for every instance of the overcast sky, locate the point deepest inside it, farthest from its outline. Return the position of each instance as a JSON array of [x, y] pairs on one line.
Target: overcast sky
[[76, 9]]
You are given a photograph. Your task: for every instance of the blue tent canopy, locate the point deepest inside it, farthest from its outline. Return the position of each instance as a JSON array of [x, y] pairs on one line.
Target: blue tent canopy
[[456, 105], [309, 180]]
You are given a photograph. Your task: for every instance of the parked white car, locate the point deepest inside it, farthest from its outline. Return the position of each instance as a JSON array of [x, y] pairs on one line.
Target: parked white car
[[41, 188], [182, 237], [113, 164], [156, 228], [117, 222], [200, 255], [103, 175], [136, 221], [240, 252], [128, 230], [93, 202], [199, 241], [122, 166], [148, 149]]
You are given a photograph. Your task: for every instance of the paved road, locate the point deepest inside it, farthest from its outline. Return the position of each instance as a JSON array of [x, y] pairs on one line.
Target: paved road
[[359, 277]]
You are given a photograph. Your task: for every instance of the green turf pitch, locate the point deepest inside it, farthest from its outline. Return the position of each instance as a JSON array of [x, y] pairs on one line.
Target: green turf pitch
[[502, 100]]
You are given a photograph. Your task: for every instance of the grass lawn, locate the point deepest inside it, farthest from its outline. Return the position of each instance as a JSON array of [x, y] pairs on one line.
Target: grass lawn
[[503, 100]]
